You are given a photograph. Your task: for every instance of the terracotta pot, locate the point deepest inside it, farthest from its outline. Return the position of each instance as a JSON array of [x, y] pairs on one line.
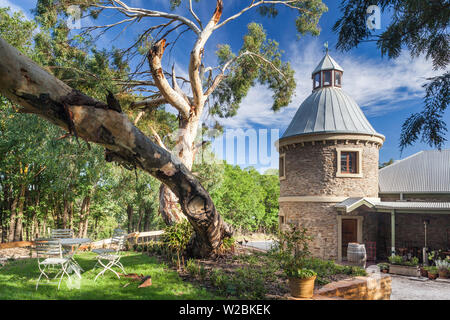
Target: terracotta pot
[[432, 276], [423, 272], [385, 270], [443, 274], [302, 288]]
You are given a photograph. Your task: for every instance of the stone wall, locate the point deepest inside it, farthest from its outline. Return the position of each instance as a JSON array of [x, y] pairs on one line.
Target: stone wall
[[311, 171], [321, 222], [375, 287], [410, 232]]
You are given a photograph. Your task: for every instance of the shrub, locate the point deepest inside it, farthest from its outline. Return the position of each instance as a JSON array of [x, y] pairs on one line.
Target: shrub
[[176, 238], [396, 259], [193, 267]]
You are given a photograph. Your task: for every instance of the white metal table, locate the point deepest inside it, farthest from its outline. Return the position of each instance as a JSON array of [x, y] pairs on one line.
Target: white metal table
[[74, 242]]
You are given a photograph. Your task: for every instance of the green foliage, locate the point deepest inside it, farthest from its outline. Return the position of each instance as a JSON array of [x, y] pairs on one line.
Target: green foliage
[[243, 283], [422, 28], [176, 238], [395, 259], [293, 249], [308, 17], [248, 70], [442, 265], [383, 266], [428, 125], [301, 273], [16, 30], [432, 270], [248, 211], [385, 164]]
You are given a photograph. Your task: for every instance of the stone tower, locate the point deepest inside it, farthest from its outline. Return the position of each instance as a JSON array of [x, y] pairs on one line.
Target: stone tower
[[329, 153]]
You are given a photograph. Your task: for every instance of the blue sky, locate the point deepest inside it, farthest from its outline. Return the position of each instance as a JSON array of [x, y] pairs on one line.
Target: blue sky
[[388, 91]]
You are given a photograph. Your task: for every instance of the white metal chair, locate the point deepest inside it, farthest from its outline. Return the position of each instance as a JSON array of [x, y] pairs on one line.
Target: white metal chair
[[110, 257], [67, 234], [62, 233], [49, 256]]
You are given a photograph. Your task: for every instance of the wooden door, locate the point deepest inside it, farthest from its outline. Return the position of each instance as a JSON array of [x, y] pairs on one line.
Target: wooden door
[[349, 234]]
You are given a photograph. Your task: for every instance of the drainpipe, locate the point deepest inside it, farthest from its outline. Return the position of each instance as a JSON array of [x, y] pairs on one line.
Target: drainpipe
[[393, 232], [425, 248]]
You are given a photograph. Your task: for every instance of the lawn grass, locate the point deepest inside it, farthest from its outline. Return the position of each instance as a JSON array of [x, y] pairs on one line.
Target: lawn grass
[[18, 281]]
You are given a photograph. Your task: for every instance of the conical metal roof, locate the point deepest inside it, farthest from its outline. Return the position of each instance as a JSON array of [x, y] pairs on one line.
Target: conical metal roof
[[327, 63], [329, 110]]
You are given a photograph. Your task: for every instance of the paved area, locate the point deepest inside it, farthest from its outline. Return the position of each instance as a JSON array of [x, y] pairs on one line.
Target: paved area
[[405, 288], [262, 245]]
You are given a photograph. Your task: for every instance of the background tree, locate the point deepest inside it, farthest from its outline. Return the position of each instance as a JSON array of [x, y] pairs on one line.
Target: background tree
[[225, 85], [216, 90], [421, 27]]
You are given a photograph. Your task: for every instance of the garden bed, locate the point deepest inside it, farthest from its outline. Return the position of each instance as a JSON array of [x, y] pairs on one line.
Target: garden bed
[[252, 274], [404, 270]]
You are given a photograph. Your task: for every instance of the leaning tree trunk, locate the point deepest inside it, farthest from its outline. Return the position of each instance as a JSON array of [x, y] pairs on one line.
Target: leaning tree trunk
[[38, 92], [185, 150]]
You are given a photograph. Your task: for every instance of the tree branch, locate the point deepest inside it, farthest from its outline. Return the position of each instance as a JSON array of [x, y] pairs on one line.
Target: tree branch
[[154, 56]]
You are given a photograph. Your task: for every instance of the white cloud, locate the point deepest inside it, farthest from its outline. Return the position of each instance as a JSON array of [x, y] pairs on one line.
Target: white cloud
[[378, 85]]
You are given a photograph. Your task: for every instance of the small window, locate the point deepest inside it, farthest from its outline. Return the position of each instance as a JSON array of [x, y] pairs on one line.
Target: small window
[[282, 167], [337, 78], [348, 162], [281, 219], [317, 80], [327, 78]]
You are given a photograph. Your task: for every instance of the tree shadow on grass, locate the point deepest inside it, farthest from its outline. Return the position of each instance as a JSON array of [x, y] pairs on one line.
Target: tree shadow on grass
[[18, 280]]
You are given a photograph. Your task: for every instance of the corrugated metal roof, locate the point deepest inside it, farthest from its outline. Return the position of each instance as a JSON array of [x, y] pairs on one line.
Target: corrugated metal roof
[[413, 205], [327, 63], [351, 204], [329, 110], [426, 171]]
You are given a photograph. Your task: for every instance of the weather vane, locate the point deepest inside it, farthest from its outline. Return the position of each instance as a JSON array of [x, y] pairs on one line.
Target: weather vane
[[326, 46]]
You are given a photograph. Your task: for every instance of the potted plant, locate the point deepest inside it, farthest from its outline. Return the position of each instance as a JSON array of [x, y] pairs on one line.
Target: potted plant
[[301, 282], [423, 271], [384, 267], [432, 272], [443, 267], [292, 252]]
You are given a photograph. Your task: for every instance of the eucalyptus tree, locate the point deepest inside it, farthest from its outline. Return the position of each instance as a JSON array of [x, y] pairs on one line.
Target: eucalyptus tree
[[220, 88], [422, 28]]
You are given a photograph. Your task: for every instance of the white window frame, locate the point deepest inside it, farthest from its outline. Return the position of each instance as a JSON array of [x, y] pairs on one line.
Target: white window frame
[[359, 173]]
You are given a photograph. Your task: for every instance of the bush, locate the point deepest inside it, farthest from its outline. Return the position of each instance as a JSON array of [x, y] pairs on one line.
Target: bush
[[176, 238], [395, 259], [193, 267], [398, 260]]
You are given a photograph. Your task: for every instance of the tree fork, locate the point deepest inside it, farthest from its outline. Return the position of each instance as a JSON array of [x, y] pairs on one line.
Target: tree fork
[[38, 92]]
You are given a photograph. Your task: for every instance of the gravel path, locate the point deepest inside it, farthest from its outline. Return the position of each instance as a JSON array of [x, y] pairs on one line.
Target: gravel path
[[404, 288]]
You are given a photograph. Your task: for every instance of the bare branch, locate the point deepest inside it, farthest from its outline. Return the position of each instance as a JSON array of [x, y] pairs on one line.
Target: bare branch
[[194, 15], [140, 13], [196, 57], [255, 4]]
